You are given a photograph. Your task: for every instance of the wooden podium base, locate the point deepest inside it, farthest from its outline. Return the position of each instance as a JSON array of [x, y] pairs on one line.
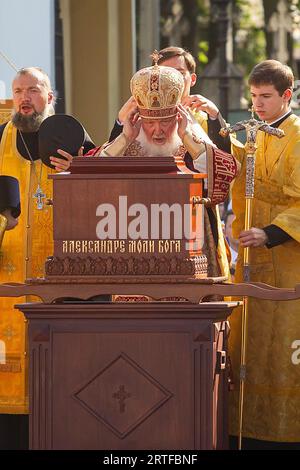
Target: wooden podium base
[[128, 376]]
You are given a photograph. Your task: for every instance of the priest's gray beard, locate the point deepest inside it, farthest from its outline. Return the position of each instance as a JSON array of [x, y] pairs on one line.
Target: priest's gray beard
[[154, 150], [31, 123]]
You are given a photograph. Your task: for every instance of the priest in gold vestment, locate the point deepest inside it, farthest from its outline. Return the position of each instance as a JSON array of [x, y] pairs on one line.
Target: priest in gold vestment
[[25, 248], [272, 387]]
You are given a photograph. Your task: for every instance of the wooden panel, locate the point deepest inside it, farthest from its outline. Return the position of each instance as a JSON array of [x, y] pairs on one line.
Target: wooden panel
[[113, 364]]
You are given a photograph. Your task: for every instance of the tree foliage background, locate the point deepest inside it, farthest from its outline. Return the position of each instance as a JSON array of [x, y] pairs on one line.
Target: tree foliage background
[[251, 41]]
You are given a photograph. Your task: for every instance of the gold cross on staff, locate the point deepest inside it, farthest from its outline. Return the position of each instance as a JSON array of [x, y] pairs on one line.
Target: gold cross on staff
[[155, 56], [251, 126]]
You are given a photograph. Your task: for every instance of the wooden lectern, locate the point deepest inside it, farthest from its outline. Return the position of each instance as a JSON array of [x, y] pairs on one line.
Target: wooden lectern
[[110, 375], [128, 376]]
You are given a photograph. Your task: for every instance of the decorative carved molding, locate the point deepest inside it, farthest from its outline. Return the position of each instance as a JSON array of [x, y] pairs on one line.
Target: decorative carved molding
[[125, 164], [195, 290], [133, 266], [41, 420], [144, 298], [131, 298], [88, 280]]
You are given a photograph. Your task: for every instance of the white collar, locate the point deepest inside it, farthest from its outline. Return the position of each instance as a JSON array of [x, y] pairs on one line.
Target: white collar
[[279, 119]]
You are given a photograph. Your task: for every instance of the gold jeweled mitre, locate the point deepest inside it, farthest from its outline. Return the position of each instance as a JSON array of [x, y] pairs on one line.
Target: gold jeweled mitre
[[157, 90]]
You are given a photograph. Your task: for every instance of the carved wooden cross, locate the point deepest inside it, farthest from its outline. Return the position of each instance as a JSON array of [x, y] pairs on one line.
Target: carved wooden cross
[[121, 395]]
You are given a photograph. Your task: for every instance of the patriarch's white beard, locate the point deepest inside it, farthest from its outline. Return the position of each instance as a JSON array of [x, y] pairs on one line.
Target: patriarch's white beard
[[155, 150]]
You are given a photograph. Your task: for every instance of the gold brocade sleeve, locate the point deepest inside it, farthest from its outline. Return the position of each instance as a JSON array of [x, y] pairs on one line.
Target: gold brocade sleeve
[[193, 144], [237, 149], [115, 148]]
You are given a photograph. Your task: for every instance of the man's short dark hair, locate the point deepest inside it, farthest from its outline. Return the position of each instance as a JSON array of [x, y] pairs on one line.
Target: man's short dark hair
[[169, 52], [272, 72], [33, 71]]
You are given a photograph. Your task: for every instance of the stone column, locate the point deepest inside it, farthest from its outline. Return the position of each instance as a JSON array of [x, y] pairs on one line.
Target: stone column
[[148, 33]]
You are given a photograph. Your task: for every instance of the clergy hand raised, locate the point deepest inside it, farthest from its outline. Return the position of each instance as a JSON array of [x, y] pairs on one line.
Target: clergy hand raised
[[126, 109], [200, 103], [132, 125], [184, 122]]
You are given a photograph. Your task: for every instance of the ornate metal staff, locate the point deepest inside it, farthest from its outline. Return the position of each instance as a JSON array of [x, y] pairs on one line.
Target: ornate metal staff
[[251, 127]]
